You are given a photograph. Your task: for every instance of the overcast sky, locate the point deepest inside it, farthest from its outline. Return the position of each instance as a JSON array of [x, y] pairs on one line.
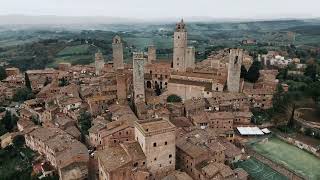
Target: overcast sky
[[148, 9]]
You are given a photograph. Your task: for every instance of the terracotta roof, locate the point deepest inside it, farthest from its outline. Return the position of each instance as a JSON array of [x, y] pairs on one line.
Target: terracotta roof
[[150, 126], [112, 158]]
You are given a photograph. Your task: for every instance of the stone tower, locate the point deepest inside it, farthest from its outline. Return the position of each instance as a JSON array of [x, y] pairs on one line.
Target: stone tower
[[99, 62], [179, 47], [121, 86], [138, 77], [234, 70], [152, 55], [190, 57], [117, 49], [157, 140]]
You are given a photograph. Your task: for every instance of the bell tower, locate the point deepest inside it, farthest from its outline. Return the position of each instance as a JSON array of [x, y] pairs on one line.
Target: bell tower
[[179, 47]]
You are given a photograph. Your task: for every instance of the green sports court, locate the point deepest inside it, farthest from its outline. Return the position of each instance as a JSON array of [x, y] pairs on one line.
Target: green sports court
[[290, 156], [259, 171]]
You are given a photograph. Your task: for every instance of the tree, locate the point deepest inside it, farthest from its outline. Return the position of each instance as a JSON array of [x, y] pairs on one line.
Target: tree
[[84, 120], [18, 141], [63, 82], [253, 73], [9, 121], [314, 91], [311, 71], [3, 74], [22, 94], [174, 98]]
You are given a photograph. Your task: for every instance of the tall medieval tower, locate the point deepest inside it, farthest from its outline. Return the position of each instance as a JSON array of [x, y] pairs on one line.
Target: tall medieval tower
[[180, 41], [152, 55], [117, 49], [121, 86], [138, 77], [190, 57], [99, 62], [234, 70]]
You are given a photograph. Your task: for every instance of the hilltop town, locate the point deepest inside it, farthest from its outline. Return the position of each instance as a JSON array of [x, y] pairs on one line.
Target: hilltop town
[[168, 119]]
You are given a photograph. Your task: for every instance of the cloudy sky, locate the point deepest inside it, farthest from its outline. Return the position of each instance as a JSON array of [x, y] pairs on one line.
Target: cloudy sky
[[148, 9]]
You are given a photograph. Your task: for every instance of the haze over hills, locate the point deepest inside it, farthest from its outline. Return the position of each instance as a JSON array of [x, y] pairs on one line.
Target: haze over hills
[[51, 19]]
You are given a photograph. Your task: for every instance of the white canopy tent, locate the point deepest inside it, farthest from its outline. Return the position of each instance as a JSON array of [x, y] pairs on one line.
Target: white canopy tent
[[250, 131]]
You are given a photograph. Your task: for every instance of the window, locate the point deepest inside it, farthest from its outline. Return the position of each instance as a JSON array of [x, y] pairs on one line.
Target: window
[[170, 155], [154, 144], [155, 159], [170, 162], [115, 141], [135, 164], [166, 143]]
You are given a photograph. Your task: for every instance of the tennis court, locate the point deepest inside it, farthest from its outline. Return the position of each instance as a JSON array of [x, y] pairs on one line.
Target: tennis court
[[259, 171], [290, 156]]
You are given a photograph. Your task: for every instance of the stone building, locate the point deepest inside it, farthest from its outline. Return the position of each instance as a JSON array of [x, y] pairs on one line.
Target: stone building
[[220, 122], [39, 78], [63, 151], [122, 162], [99, 62], [64, 66], [157, 140], [98, 104], [225, 101], [116, 132], [12, 71], [152, 54], [117, 52], [189, 85], [157, 74], [138, 78], [234, 70], [196, 150]]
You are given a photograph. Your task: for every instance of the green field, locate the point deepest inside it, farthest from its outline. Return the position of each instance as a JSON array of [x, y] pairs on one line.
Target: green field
[[74, 50], [259, 171], [290, 156]]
